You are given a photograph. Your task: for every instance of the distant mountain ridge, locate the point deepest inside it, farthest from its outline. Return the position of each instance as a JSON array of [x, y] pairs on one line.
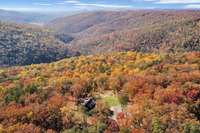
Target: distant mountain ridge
[[25, 17], [139, 30]]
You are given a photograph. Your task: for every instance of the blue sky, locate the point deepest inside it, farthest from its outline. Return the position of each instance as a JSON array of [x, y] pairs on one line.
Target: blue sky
[[78, 5]]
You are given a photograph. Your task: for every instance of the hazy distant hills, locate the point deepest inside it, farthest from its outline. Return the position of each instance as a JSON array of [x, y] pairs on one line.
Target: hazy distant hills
[[23, 45], [142, 30], [25, 17]]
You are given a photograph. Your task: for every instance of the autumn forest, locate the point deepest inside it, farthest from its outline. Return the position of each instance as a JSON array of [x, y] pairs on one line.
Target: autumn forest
[[102, 72]]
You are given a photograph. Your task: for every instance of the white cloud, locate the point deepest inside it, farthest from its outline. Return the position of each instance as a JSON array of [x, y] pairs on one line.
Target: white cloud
[[103, 5], [80, 4], [42, 4], [68, 2], [27, 9], [72, 1], [18, 9], [192, 6], [175, 1], [60, 3]]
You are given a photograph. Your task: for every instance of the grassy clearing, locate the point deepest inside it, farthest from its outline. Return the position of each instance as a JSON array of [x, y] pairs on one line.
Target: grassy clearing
[[111, 100]]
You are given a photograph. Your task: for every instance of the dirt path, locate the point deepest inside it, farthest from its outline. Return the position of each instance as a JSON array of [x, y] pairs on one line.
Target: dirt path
[[116, 110], [113, 102]]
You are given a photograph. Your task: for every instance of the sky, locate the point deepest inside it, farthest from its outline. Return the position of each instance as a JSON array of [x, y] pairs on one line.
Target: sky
[[88, 5]]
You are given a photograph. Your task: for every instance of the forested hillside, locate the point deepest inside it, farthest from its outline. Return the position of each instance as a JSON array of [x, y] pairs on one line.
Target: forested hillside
[[142, 30], [23, 45], [156, 93], [100, 32]]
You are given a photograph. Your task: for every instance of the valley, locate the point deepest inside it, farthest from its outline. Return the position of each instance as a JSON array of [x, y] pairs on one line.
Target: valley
[[142, 31]]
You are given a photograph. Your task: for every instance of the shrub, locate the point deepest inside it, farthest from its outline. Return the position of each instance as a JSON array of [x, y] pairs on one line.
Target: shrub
[[125, 130], [1, 89], [157, 126], [31, 89], [124, 99], [195, 109], [49, 119], [66, 86], [13, 94], [101, 127], [72, 130], [189, 128]]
